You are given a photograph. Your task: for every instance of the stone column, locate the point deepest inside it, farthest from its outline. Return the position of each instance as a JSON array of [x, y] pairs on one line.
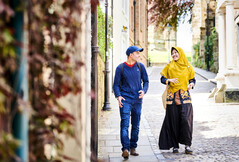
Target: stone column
[[232, 71], [222, 48], [230, 36]]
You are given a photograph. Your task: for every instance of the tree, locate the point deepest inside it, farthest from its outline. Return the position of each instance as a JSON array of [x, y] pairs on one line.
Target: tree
[[164, 12]]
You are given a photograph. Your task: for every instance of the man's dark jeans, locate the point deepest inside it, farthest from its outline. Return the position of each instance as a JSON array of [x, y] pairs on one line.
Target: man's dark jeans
[[135, 110]]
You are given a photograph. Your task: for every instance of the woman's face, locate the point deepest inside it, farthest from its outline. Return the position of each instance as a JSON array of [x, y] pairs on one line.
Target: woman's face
[[175, 55]]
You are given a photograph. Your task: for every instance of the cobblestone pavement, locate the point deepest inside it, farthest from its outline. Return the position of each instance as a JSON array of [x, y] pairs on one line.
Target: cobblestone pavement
[[216, 126]]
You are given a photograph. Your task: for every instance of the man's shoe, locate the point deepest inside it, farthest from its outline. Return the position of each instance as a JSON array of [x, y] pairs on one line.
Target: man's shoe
[[133, 152], [188, 150], [125, 154], [175, 150]]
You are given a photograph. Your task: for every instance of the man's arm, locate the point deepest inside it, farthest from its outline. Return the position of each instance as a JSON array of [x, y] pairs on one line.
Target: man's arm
[[116, 84], [145, 79]]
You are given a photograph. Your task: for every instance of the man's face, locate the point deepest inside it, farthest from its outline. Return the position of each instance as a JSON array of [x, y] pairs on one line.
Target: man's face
[[135, 55], [175, 55]]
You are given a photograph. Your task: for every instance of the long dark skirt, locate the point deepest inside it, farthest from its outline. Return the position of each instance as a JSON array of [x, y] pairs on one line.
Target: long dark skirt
[[177, 126]]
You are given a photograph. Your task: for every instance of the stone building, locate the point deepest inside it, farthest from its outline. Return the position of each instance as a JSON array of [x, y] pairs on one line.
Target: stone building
[[138, 26], [129, 28], [199, 18], [160, 42], [227, 13]]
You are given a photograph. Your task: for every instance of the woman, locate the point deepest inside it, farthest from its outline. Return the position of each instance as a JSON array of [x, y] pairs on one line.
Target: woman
[[178, 122]]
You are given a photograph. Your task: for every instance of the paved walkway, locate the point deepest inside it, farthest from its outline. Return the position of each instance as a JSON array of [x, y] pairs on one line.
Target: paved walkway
[[109, 138], [216, 128]]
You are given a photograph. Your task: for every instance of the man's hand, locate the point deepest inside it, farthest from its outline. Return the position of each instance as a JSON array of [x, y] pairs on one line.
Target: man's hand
[[141, 94], [119, 98], [174, 80], [190, 86]]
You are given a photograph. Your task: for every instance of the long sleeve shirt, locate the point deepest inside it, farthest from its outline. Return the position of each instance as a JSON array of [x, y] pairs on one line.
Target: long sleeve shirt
[[164, 80], [129, 84]]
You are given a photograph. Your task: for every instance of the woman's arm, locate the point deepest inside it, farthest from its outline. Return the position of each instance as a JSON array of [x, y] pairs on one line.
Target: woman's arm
[[164, 80], [192, 83], [167, 81]]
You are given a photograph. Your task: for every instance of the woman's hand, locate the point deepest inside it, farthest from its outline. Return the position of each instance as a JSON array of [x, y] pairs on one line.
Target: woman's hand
[[174, 80], [190, 86], [119, 101]]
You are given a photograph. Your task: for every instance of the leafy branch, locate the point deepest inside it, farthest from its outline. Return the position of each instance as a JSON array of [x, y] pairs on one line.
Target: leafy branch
[[164, 12]]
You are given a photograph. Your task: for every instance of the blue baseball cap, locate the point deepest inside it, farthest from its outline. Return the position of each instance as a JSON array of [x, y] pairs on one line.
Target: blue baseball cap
[[132, 49]]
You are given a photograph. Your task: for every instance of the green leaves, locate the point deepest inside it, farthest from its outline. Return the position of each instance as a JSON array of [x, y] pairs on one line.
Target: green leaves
[[53, 28], [7, 146], [164, 12], [101, 32]]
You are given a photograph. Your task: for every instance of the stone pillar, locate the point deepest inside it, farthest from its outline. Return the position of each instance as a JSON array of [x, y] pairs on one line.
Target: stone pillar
[[232, 71], [219, 95], [222, 49], [230, 36]]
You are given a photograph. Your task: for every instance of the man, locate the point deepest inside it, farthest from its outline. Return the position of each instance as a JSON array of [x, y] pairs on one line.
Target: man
[[129, 92]]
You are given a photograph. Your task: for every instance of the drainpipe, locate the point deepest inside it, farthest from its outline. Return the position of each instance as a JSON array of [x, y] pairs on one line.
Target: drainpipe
[[134, 22], [94, 85], [20, 84]]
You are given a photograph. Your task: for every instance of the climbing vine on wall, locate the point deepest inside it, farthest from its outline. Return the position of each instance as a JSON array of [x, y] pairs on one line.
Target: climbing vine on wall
[[53, 29], [199, 60], [101, 32], [8, 65]]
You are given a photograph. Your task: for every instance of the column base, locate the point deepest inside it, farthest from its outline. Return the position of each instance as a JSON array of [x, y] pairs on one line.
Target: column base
[[232, 95], [231, 79], [219, 95], [106, 106], [220, 78]]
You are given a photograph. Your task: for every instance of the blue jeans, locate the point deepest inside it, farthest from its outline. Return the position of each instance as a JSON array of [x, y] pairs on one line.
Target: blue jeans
[[135, 110]]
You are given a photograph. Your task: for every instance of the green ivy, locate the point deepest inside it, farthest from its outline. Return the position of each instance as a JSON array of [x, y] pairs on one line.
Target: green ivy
[[199, 61], [210, 46], [101, 32]]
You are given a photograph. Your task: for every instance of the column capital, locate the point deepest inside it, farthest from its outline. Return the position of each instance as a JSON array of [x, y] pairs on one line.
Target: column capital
[[221, 11], [229, 2]]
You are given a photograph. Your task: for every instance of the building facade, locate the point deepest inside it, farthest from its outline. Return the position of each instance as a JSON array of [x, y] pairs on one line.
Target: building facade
[[138, 26], [227, 13], [120, 32], [199, 18], [130, 27]]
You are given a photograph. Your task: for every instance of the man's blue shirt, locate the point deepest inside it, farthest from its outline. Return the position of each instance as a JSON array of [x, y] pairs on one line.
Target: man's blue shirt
[[129, 84]]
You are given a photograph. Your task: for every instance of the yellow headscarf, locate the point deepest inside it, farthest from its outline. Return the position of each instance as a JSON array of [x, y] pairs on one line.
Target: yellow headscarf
[[180, 69]]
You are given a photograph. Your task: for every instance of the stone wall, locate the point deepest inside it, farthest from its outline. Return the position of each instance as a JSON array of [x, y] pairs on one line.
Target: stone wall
[[141, 27], [215, 67], [199, 16], [79, 105], [196, 22], [101, 83], [199, 29]]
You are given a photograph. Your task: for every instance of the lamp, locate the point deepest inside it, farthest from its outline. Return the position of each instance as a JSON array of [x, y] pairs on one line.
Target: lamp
[[207, 34]]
